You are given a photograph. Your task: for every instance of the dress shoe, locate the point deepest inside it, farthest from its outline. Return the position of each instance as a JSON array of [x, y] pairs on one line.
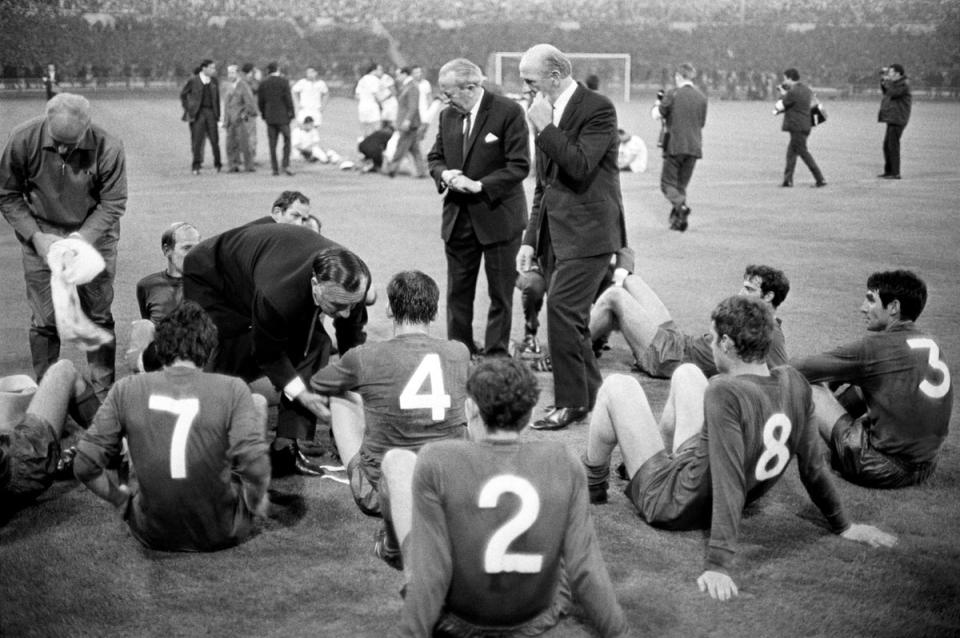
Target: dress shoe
[[196, 171], [682, 215], [891, 176], [787, 184], [234, 170], [276, 173], [290, 460], [287, 171], [219, 168], [560, 418], [820, 184], [674, 216]]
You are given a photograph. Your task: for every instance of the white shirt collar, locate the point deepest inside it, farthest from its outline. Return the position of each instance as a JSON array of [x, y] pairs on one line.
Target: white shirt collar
[[685, 82], [562, 100], [204, 78], [476, 108]]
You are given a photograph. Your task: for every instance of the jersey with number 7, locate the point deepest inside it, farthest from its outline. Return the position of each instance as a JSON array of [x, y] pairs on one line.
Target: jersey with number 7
[[905, 383]]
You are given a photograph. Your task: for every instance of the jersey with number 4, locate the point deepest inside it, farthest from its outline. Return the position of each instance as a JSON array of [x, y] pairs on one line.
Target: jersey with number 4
[[193, 438], [905, 383], [491, 521], [412, 387], [753, 426]]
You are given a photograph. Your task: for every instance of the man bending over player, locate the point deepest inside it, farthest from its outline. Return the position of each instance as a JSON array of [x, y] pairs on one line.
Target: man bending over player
[[656, 341], [399, 393], [196, 441], [501, 526], [719, 444], [897, 407]]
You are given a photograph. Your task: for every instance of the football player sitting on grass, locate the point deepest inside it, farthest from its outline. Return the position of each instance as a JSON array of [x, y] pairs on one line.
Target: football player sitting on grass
[[719, 445], [501, 534]]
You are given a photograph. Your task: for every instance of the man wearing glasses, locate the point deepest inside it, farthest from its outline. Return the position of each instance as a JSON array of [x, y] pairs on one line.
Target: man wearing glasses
[[61, 175], [479, 161]]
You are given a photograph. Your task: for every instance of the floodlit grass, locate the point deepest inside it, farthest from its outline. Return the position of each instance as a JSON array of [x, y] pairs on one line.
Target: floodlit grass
[[68, 566]]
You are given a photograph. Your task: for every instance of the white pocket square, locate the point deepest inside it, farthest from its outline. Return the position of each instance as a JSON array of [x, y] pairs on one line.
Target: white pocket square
[[490, 138]]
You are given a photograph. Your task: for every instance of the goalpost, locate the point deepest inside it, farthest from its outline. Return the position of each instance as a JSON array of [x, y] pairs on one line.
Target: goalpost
[[613, 70]]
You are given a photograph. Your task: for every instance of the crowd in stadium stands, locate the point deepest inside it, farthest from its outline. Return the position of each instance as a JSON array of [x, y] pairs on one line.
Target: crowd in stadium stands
[[152, 40]]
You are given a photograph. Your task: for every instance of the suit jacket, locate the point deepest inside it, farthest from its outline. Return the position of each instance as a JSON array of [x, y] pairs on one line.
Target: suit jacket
[[257, 278], [498, 156], [796, 109], [685, 112], [275, 100], [238, 103], [578, 184], [191, 97], [408, 108]]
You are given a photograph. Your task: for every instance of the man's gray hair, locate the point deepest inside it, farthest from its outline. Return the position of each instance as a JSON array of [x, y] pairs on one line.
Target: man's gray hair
[[465, 71], [69, 104], [551, 59]]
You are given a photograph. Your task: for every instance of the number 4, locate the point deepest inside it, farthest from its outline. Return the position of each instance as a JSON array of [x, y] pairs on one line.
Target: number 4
[[436, 400], [186, 411], [933, 359]]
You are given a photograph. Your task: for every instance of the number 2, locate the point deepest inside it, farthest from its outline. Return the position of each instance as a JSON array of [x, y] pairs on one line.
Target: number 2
[[933, 359], [437, 399], [186, 411], [496, 559], [776, 432]]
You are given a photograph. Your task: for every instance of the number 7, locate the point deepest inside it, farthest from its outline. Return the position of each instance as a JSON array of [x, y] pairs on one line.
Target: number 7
[[186, 411]]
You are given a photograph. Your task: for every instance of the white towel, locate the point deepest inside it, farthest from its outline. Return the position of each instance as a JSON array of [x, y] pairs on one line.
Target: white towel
[[73, 261]]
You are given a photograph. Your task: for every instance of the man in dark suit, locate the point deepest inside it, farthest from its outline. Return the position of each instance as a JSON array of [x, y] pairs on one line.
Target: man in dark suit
[[795, 101], [576, 222], [408, 123], [276, 106], [200, 98], [479, 160], [684, 112], [267, 287]]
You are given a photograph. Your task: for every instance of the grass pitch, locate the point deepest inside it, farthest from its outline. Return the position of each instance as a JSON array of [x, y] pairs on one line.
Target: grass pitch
[[68, 567]]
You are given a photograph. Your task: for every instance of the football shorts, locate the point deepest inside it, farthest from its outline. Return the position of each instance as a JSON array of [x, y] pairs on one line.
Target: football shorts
[[853, 455], [672, 491], [34, 453], [364, 480]]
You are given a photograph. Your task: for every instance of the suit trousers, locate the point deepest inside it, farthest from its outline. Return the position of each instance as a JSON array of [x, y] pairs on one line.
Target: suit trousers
[[798, 148], [464, 252], [251, 125], [238, 146], [675, 176], [408, 143], [202, 128], [96, 298], [573, 287], [891, 149], [273, 130]]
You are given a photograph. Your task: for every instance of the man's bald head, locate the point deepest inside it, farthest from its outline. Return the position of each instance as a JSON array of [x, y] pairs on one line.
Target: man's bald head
[[68, 117]]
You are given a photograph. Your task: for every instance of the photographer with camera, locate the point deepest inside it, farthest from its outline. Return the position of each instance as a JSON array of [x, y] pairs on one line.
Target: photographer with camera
[[794, 103], [895, 112], [683, 111]]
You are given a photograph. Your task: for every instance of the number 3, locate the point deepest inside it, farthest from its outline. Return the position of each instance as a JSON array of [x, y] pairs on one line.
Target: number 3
[[933, 359], [437, 400], [496, 559], [774, 446], [186, 411]]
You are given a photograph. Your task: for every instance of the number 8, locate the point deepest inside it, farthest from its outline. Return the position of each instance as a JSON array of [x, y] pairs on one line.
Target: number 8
[[774, 447]]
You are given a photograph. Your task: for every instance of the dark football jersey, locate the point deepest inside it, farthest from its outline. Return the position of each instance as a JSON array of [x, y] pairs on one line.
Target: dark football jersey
[[905, 383], [193, 438], [753, 426], [412, 387], [157, 295], [491, 522]]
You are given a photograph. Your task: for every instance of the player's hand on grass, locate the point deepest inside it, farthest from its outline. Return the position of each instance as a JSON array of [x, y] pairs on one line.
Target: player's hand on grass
[[869, 535], [316, 403], [718, 585]]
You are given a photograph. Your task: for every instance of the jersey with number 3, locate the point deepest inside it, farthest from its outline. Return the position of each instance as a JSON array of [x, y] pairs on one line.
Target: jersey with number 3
[[412, 387], [193, 438], [491, 521], [753, 426], [905, 383]]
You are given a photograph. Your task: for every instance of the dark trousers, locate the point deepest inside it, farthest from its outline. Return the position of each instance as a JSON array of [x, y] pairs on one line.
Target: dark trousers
[[533, 288], [891, 149], [572, 290], [464, 252], [408, 143], [96, 298], [798, 148], [674, 177], [273, 130], [238, 146], [202, 128]]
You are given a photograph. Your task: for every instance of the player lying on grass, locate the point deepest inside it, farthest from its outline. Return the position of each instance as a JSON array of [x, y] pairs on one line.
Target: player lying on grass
[[719, 444], [657, 343], [30, 439], [196, 442], [896, 410], [501, 530], [399, 393]]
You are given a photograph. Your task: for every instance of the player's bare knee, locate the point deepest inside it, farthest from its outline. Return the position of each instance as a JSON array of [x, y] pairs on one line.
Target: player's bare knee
[[688, 374], [397, 462]]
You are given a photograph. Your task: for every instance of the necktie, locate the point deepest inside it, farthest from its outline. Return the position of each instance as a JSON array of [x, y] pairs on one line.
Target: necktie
[[466, 133]]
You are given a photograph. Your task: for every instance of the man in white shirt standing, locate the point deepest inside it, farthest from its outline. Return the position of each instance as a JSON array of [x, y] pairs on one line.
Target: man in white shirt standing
[[310, 95]]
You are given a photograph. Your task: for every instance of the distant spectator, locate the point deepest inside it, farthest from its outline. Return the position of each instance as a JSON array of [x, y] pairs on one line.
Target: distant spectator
[[368, 106], [895, 112]]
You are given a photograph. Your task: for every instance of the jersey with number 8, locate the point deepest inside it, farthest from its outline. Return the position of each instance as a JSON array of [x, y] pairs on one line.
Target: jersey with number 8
[[906, 384]]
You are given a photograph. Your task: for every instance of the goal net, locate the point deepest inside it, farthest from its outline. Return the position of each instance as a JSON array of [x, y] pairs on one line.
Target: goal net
[[612, 69]]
